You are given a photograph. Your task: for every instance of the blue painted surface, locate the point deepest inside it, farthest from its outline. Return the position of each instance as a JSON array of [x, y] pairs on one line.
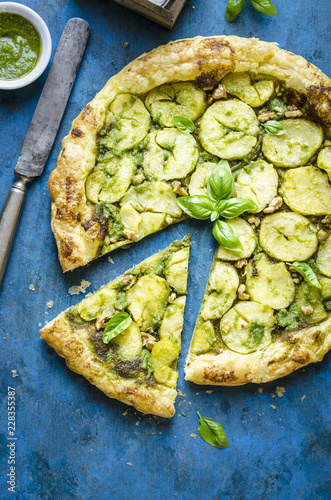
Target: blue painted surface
[[72, 441]]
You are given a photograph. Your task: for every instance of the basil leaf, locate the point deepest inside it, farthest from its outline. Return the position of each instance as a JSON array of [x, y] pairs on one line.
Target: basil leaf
[[215, 215], [233, 8], [220, 184], [306, 271], [198, 207], [116, 325], [184, 124], [212, 432], [236, 206], [274, 127], [264, 6], [226, 236]]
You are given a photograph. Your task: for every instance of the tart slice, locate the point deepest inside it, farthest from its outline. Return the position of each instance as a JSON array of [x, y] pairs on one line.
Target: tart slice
[[125, 338]]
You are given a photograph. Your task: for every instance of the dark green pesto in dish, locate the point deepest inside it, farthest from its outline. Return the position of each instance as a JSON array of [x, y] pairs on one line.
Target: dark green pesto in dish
[[19, 46]]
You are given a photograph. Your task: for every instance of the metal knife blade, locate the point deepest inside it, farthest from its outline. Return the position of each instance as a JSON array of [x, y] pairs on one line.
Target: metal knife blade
[[53, 99]]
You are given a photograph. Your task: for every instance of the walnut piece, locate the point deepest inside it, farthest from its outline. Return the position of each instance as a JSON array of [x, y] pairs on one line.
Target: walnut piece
[[254, 221], [265, 115], [219, 92], [241, 292], [148, 340], [274, 205], [307, 310], [130, 235], [296, 113], [241, 263]]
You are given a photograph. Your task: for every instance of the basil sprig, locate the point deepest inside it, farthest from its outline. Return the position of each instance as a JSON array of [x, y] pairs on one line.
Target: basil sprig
[[219, 203], [183, 124], [212, 432], [234, 7], [116, 325], [306, 272], [274, 127]]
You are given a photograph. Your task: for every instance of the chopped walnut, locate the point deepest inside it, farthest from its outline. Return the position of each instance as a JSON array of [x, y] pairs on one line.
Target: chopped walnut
[[241, 292], [307, 310], [293, 114], [179, 189], [138, 179], [130, 235], [254, 221], [148, 340], [219, 92], [241, 263], [274, 205], [265, 115], [296, 280]]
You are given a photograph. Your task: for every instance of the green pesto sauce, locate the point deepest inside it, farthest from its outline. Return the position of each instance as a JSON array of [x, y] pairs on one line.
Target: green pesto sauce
[[19, 46]]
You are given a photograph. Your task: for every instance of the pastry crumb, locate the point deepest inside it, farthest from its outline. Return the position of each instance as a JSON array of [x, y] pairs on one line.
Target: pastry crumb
[[209, 392], [129, 463], [31, 287], [14, 373], [180, 393], [273, 406], [125, 412], [272, 395], [5, 338], [111, 260], [280, 391], [125, 44], [303, 397], [260, 389], [193, 435], [77, 289], [50, 304]]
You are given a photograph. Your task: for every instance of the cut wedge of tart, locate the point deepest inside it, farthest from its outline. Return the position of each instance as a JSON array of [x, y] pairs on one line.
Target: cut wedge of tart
[[125, 338]]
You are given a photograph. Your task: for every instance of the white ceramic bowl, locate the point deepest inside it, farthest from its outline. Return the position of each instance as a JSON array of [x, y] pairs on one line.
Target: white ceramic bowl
[[45, 48]]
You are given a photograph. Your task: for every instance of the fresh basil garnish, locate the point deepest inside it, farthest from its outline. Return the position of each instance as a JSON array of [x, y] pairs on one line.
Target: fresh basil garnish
[[233, 8], [236, 206], [306, 272], [264, 6], [274, 127], [226, 236], [220, 184], [212, 432], [198, 207], [183, 124], [116, 325]]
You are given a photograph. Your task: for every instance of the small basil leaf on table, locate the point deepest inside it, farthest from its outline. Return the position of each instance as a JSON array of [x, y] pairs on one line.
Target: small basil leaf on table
[[274, 127], [198, 207], [226, 236], [233, 8], [183, 124], [212, 432], [264, 6], [236, 206], [116, 325], [220, 184], [306, 272]]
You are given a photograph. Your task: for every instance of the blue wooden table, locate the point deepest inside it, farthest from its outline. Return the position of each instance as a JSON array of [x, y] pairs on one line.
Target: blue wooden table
[[72, 441]]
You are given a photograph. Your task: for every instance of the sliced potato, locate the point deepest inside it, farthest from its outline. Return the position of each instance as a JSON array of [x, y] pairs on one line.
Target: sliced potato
[[181, 99], [147, 301], [307, 191], [256, 94], [164, 356], [128, 120], [326, 287], [228, 129], [176, 270], [324, 258], [141, 224], [98, 305], [169, 154], [109, 181], [324, 160], [270, 284], [172, 323], [154, 196], [247, 327], [247, 238], [200, 178], [222, 291], [311, 296], [301, 140], [288, 236], [129, 342], [203, 337], [259, 182]]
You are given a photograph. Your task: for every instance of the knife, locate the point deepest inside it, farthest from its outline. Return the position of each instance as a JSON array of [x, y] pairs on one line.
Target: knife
[[43, 127]]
